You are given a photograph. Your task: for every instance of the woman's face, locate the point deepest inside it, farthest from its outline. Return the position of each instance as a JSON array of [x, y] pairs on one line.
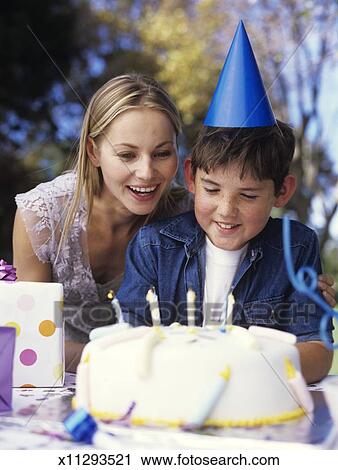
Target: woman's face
[[138, 159]]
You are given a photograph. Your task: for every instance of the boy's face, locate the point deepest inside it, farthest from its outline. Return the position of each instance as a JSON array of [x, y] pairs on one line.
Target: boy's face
[[231, 210]]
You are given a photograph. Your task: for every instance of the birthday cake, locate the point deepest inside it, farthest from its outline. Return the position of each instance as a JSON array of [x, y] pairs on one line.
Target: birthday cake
[[190, 376]]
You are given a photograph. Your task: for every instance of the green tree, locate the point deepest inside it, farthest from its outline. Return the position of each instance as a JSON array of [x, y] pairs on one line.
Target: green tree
[[29, 90], [293, 43], [54, 55], [184, 37]]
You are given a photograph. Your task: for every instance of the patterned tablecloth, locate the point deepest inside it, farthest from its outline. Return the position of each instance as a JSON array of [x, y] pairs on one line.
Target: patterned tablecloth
[[38, 414], [36, 419]]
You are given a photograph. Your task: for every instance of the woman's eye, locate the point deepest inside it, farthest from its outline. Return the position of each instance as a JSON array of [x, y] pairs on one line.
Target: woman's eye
[[126, 156], [162, 154]]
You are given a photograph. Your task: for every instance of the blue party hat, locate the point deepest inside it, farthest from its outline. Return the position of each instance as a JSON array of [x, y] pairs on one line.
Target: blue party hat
[[240, 99]]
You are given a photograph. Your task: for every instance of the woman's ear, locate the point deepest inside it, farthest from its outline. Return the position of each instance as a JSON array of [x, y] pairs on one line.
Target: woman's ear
[[189, 176], [287, 191], [92, 152]]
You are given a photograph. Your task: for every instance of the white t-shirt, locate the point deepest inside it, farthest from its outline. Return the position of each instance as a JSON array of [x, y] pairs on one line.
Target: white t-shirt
[[221, 267]]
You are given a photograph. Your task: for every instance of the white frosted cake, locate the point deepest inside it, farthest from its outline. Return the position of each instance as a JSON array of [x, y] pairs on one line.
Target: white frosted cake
[[181, 376]]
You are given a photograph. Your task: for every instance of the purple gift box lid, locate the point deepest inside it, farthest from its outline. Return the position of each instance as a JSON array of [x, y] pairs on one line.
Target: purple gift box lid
[[7, 345]]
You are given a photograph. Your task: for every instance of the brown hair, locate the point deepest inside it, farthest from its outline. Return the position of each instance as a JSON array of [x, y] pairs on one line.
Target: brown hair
[[266, 152]]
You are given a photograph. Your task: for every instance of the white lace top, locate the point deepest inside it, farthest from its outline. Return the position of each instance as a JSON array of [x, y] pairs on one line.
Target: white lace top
[[43, 210]]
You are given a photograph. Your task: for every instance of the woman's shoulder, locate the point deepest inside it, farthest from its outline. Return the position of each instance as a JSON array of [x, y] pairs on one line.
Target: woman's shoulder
[[60, 187]]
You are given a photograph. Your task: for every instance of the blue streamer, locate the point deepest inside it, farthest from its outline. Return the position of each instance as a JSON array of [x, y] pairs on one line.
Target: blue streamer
[[307, 287]]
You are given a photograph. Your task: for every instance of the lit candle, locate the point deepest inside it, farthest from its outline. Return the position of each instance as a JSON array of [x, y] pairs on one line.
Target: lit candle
[[116, 306], [191, 297], [152, 298]]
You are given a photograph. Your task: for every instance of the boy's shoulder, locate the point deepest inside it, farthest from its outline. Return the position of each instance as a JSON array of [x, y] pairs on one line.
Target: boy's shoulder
[[272, 234], [180, 229]]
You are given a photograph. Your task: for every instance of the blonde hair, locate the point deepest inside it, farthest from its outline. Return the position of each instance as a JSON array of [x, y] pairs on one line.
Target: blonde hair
[[118, 95]]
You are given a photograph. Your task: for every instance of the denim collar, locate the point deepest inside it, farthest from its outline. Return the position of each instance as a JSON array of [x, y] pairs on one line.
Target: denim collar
[[185, 229]]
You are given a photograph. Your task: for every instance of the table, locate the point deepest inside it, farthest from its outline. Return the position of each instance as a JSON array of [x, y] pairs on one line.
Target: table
[[37, 416]]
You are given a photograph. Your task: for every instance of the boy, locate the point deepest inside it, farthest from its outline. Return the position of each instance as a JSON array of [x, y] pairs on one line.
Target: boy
[[238, 171], [230, 243]]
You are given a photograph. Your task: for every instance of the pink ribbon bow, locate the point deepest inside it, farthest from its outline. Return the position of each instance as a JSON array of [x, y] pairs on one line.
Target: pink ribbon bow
[[7, 272]]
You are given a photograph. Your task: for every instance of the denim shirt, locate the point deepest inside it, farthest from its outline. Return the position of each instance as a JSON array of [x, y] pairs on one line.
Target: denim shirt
[[170, 255]]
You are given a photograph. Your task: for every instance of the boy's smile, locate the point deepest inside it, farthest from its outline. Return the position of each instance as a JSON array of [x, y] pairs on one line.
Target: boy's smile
[[232, 210]]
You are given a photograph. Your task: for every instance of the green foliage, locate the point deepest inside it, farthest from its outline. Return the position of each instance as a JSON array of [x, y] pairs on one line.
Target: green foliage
[[292, 42], [334, 368], [330, 261], [14, 178], [33, 35], [185, 45]]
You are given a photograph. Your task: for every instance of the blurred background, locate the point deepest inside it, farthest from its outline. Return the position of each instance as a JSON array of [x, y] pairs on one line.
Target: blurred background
[[55, 54]]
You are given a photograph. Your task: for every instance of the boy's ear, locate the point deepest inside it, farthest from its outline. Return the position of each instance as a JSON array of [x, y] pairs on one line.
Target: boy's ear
[[92, 152], [287, 191], [188, 175]]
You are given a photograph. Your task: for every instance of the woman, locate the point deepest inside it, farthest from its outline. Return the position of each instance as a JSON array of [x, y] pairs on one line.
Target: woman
[[75, 229]]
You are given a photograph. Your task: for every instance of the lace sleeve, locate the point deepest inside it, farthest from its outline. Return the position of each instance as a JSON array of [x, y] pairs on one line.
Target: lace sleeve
[[36, 215]]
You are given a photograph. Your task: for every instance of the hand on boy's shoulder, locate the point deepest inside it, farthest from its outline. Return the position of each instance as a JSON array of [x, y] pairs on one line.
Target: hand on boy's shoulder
[[326, 285]]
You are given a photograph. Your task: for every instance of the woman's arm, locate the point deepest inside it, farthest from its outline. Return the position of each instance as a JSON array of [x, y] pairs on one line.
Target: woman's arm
[[27, 264], [327, 288], [315, 360], [73, 351], [30, 268]]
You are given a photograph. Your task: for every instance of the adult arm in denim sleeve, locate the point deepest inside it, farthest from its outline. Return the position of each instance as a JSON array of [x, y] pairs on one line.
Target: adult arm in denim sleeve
[[315, 359], [140, 274]]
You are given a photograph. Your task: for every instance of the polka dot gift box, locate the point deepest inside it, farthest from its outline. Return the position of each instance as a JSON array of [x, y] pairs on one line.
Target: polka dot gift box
[[34, 309]]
